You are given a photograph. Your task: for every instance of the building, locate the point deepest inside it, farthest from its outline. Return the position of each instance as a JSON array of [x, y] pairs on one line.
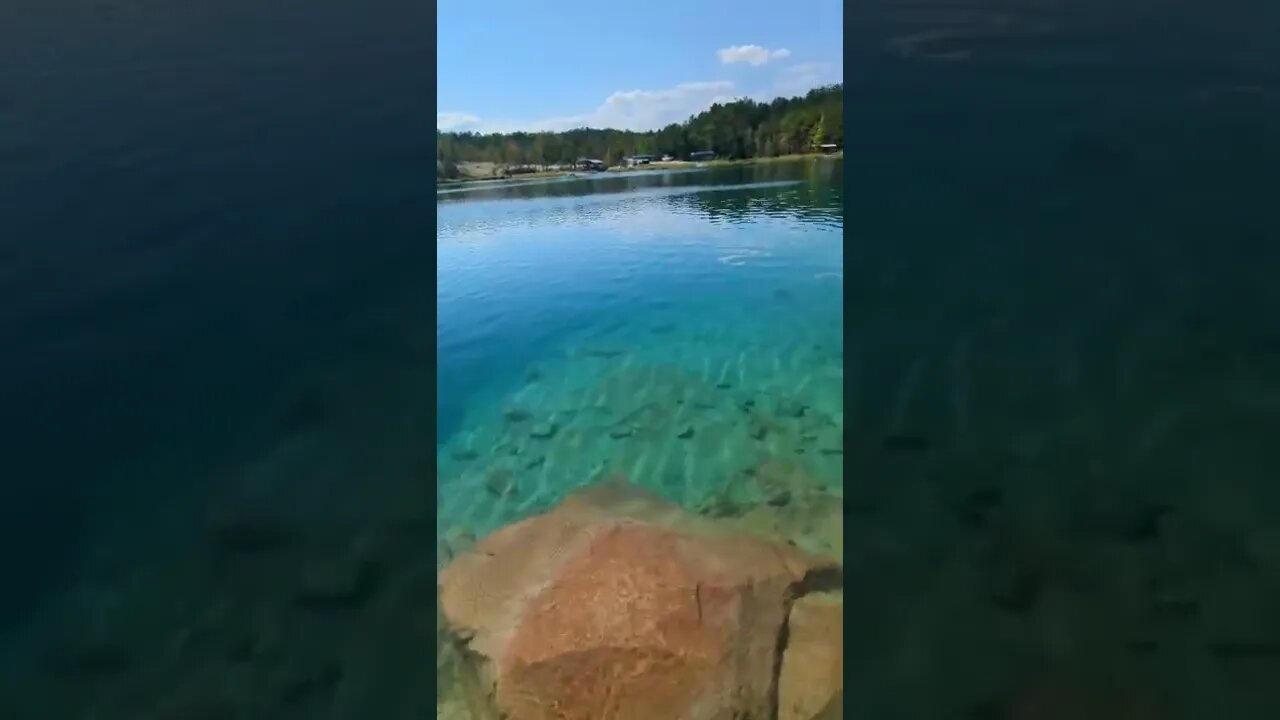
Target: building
[[588, 164], [702, 155], [828, 148], [638, 160]]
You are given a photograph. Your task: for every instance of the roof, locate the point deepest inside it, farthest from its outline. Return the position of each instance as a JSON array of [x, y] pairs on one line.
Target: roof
[[828, 145]]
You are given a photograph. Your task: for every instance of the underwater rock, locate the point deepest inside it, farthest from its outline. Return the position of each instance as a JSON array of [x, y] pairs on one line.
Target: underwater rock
[[778, 480], [811, 682], [703, 400], [464, 454], [500, 482], [616, 598], [720, 505], [621, 431], [757, 427], [460, 539], [789, 408], [516, 415], [685, 433], [544, 431], [533, 376], [779, 498], [830, 441]]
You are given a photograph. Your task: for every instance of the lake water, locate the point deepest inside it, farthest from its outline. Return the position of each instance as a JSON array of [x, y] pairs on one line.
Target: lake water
[[607, 325]]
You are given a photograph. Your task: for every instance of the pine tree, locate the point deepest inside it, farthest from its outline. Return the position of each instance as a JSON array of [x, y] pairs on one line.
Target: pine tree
[[819, 135]]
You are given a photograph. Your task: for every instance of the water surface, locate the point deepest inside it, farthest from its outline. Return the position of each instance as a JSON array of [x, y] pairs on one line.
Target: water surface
[[627, 324]]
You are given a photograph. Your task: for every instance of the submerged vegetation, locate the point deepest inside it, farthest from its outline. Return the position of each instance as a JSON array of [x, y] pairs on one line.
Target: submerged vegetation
[[736, 130]]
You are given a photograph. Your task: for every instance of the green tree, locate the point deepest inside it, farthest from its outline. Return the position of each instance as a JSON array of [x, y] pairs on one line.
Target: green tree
[[741, 128], [818, 135]]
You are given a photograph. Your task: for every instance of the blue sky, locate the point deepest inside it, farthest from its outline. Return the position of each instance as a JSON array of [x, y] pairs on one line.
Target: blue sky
[[505, 65]]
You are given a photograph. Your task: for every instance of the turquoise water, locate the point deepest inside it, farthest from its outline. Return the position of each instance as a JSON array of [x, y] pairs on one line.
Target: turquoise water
[[629, 325]]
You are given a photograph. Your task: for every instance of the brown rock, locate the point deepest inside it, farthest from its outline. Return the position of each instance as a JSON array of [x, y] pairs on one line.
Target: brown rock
[[619, 605], [811, 684]]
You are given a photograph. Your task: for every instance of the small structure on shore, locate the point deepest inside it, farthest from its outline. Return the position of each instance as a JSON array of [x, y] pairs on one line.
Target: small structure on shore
[[638, 160], [588, 164], [828, 148], [702, 155]]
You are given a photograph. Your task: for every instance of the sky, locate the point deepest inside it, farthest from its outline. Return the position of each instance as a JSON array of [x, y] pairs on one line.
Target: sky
[[507, 65]]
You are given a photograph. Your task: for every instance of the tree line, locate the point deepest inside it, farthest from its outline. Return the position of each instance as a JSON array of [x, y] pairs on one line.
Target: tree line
[[739, 129]]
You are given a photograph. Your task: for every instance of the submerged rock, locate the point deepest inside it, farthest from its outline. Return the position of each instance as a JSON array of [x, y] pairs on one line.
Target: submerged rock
[[685, 433], [615, 600], [516, 415], [757, 428], [500, 482], [786, 407], [544, 431]]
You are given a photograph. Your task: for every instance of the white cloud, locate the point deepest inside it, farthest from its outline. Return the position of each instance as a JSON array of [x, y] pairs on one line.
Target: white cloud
[[455, 121], [750, 54], [802, 77], [623, 110]]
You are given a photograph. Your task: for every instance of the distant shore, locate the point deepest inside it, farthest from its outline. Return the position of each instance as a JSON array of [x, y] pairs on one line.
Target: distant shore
[[656, 165], [681, 164]]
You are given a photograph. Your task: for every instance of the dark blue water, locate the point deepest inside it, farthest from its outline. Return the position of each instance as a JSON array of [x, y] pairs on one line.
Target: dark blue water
[[215, 222], [1060, 229]]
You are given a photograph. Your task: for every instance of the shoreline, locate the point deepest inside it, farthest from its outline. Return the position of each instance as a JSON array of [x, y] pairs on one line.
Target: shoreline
[[672, 165], [687, 164], [513, 178]]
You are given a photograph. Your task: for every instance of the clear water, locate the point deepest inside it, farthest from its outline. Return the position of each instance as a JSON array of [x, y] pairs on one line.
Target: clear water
[[636, 315]]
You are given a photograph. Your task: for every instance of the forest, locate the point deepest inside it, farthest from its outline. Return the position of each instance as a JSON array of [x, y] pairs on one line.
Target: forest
[[740, 129]]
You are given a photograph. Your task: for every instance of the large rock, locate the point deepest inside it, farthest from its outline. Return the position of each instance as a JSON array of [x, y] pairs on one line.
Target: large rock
[[811, 684], [618, 605]]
